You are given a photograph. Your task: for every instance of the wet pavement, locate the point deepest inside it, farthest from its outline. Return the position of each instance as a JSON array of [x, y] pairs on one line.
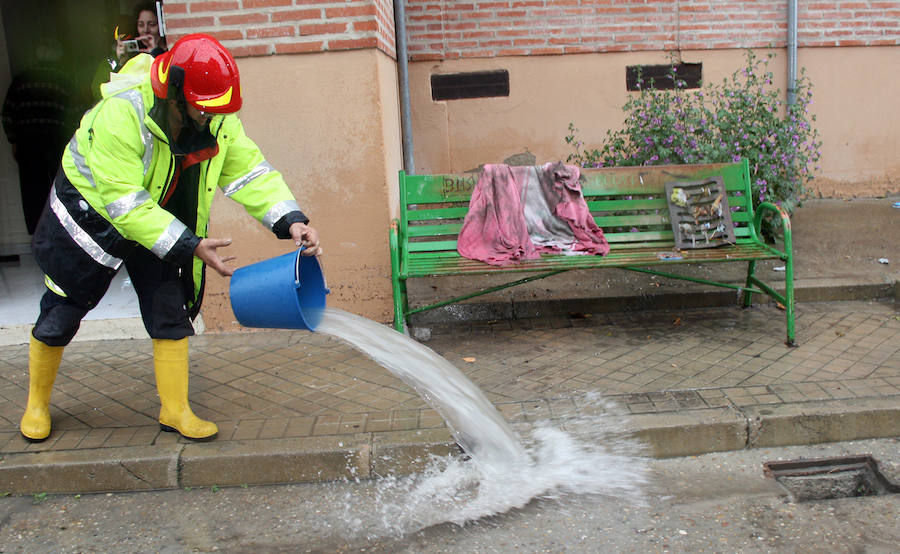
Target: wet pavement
[[296, 406], [721, 376]]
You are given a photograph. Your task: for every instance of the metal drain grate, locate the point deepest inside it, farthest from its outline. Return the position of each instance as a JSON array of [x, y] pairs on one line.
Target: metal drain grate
[[823, 478]]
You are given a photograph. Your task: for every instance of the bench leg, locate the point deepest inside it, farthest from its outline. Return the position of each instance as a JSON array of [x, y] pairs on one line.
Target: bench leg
[[748, 296], [400, 304], [398, 285], [789, 299]]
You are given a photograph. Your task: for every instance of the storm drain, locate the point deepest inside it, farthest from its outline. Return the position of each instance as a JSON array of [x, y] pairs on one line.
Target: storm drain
[[824, 478]]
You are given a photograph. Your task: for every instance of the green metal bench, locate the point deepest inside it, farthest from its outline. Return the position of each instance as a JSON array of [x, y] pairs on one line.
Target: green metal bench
[[628, 203]]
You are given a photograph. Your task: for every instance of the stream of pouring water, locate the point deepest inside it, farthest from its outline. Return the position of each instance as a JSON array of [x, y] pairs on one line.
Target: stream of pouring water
[[591, 456], [476, 425]]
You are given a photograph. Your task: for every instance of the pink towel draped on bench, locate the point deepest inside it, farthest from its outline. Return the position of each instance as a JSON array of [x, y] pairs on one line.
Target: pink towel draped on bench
[[517, 212]]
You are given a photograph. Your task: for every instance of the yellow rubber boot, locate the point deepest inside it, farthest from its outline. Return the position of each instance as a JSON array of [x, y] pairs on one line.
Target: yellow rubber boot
[[43, 363], [170, 359]]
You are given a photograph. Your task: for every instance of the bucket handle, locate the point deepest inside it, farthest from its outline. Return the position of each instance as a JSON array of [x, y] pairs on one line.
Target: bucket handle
[[297, 268], [297, 283]]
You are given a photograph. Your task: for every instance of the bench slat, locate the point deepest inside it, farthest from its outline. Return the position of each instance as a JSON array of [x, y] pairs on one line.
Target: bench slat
[[608, 225], [432, 245], [617, 209], [645, 180], [427, 214], [625, 205], [418, 231], [439, 188], [444, 249], [642, 180], [423, 210], [631, 220], [662, 238], [419, 266]]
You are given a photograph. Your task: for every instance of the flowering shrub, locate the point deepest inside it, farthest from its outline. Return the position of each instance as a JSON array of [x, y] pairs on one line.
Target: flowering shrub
[[743, 117]]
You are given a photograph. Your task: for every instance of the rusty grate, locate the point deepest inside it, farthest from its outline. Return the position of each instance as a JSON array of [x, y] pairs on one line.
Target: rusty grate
[[824, 478]]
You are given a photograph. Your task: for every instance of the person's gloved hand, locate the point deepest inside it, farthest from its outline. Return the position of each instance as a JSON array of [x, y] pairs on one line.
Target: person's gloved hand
[[304, 235]]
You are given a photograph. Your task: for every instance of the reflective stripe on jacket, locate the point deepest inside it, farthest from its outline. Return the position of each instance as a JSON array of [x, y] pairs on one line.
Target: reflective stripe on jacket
[[120, 164]]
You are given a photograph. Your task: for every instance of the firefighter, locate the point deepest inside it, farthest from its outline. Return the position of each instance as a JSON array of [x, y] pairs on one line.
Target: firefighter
[[135, 189]]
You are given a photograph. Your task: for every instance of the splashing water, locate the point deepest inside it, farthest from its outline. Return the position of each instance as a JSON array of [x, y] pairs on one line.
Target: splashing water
[[459, 491], [505, 472]]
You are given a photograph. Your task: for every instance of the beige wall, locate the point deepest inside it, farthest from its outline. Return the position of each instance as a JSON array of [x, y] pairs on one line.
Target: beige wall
[[859, 128], [330, 124], [856, 104]]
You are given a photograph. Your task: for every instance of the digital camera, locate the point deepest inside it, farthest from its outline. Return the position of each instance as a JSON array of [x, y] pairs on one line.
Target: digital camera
[[133, 45]]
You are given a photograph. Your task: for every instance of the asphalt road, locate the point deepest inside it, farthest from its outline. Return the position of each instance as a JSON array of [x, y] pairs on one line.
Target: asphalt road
[[713, 503]]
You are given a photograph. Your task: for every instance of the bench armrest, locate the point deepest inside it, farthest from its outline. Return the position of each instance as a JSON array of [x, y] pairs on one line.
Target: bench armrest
[[395, 235], [785, 223], [395, 247]]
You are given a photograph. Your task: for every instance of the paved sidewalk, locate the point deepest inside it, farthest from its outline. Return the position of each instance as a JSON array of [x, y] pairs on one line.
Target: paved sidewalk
[[298, 406]]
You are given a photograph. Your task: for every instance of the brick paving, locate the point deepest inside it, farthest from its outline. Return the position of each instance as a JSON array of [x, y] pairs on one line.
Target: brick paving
[[284, 384]]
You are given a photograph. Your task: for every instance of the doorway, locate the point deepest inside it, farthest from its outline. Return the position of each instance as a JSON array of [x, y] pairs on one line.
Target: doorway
[[83, 29]]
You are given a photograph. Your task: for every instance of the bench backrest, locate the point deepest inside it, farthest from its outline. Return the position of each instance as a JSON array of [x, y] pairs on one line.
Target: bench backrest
[[628, 203]]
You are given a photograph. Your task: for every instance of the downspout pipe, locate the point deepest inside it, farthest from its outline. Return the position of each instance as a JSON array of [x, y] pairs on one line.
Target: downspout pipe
[[792, 53], [403, 70]]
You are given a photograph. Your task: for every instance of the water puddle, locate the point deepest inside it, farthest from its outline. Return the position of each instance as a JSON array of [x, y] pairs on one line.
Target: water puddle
[[505, 469]]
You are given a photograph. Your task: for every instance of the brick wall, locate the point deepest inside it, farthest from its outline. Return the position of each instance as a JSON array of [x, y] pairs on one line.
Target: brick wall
[[265, 27], [384, 12], [451, 29]]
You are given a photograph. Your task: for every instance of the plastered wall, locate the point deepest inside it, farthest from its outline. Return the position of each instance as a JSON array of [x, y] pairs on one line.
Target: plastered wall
[[859, 130], [329, 123]]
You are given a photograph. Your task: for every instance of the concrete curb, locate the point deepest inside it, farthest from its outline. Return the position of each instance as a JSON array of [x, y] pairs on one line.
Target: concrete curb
[[372, 455], [690, 433], [92, 470], [823, 421], [303, 460], [694, 432]]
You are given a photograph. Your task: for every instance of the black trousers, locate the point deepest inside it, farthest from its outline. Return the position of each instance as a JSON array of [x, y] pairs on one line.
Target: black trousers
[[37, 168], [162, 295]]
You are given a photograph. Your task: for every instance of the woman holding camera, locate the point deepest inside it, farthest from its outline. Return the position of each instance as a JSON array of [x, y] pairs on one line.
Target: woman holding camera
[[131, 37], [149, 39]]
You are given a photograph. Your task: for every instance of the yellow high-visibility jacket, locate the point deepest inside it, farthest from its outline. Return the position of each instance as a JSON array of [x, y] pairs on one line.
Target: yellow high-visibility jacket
[[119, 165]]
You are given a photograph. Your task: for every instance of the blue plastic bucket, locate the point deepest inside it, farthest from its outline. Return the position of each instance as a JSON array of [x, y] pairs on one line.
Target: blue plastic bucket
[[286, 292]]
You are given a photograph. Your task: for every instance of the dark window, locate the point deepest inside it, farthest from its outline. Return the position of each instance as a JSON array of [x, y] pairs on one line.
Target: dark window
[[659, 77], [475, 84]]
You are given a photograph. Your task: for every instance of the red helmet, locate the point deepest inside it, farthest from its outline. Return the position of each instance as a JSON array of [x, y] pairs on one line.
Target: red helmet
[[205, 72]]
